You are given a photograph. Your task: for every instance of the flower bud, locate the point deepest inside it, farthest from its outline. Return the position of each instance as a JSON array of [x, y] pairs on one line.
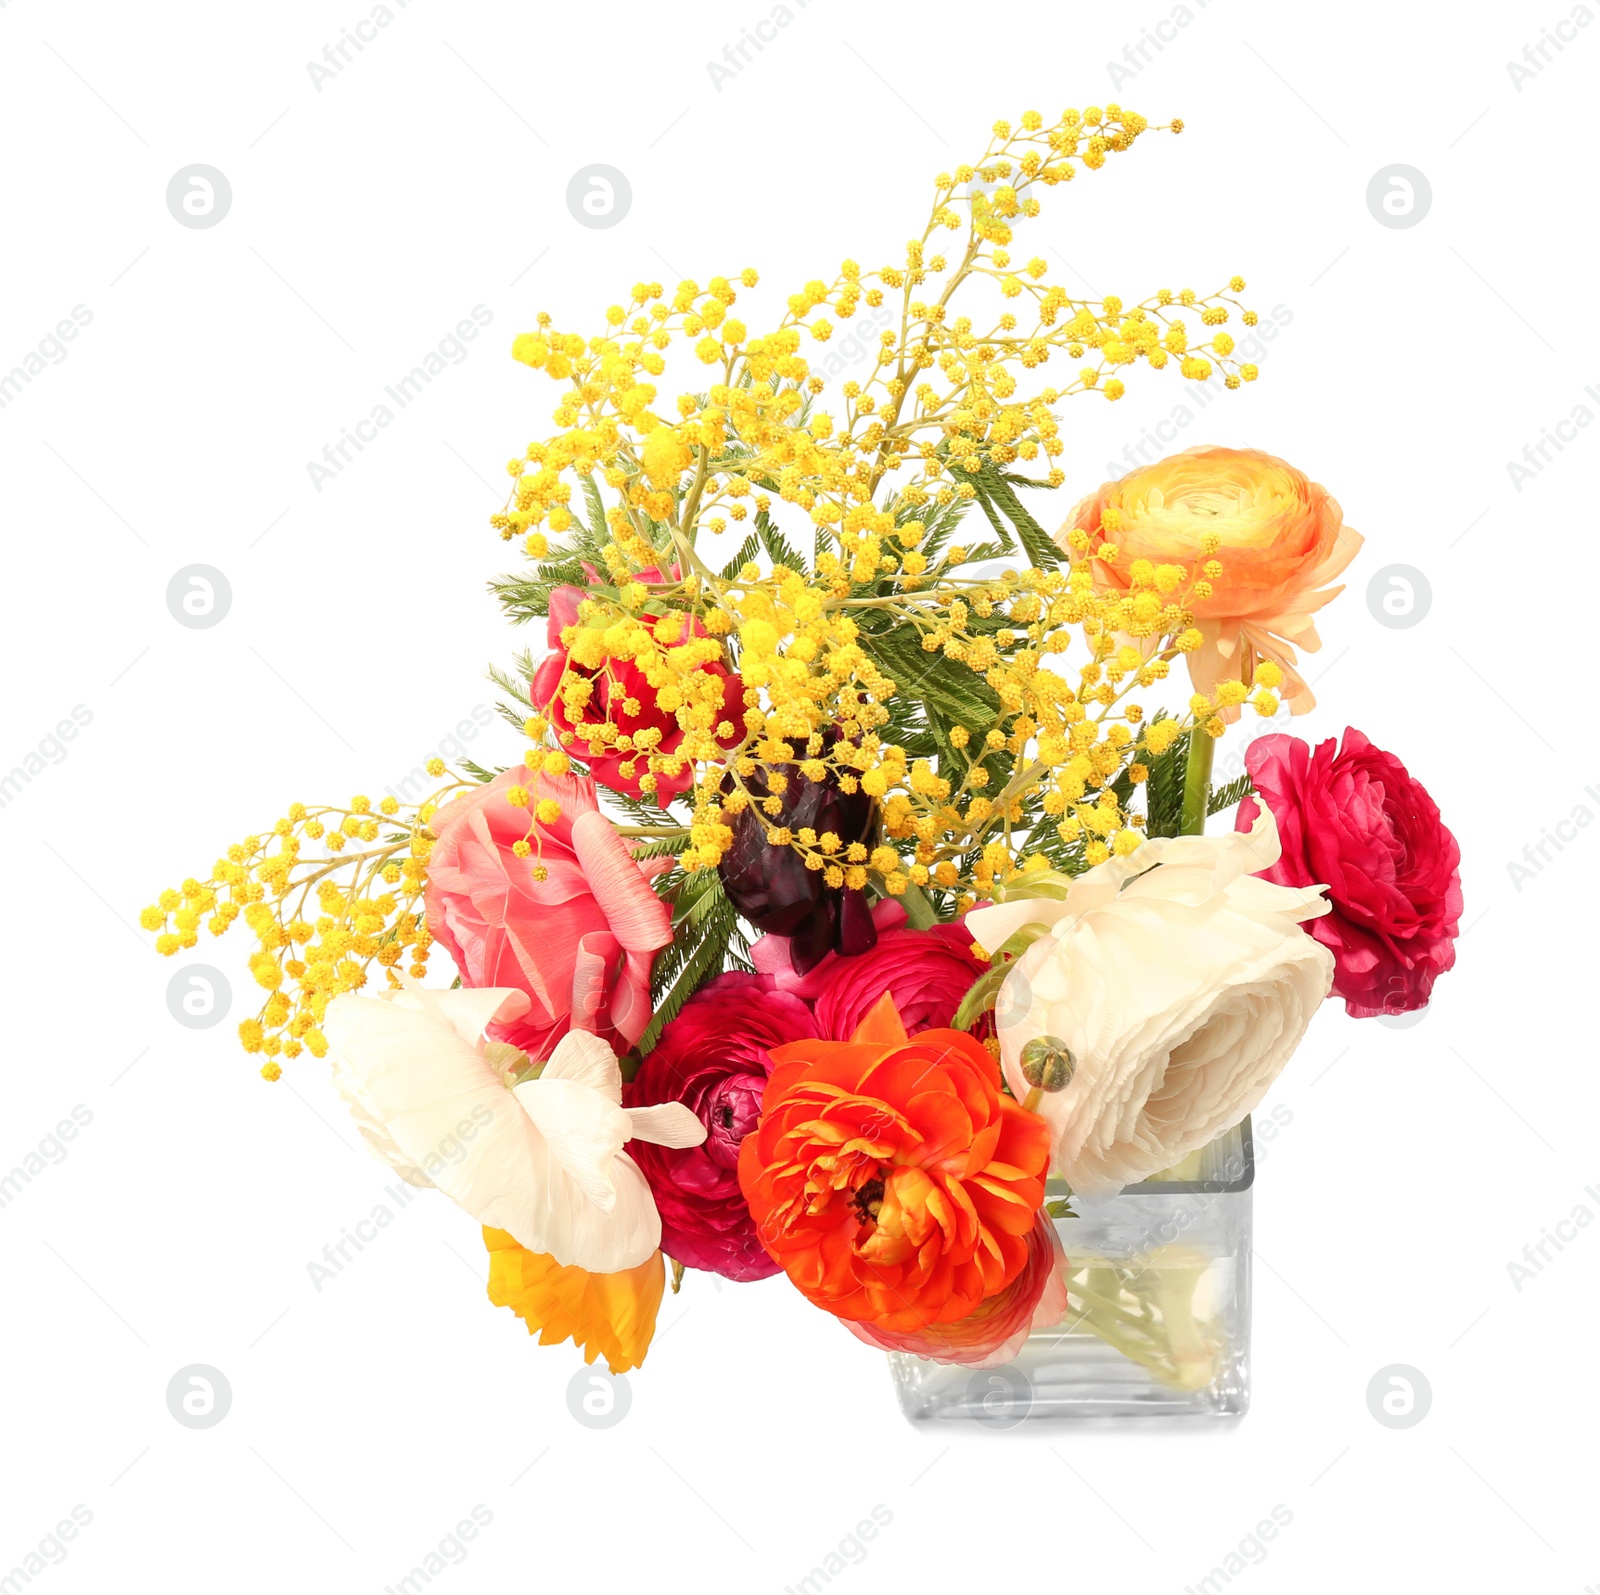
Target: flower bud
[[1047, 1063]]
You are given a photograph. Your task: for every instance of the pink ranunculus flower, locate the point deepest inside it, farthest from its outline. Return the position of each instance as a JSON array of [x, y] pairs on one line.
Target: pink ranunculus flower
[[713, 1059], [927, 972], [1354, 819], [580, 942]]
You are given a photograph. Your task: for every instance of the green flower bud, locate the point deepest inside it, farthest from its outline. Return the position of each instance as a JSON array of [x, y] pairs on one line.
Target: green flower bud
[[1047, 1063]]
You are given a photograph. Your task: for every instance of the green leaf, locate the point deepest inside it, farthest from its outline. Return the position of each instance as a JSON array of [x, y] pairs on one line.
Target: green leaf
[[1164, 789], [706, 939], [781, 551], [1224, 797], [748, 550], [515, 684]]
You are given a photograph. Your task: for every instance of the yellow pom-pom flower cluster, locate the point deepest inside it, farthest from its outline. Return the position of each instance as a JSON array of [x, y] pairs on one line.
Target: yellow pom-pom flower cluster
[[961, 674], [875, 651], [326, 893]]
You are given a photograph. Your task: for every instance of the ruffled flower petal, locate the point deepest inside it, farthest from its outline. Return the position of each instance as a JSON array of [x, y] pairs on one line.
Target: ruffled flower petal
[[604, 1315]]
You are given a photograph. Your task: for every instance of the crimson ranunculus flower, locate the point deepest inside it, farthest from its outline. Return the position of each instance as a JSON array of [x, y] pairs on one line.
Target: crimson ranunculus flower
[[769, 884], [926, 972], [1354, 820], [713, 1058], [891, 1177], [617, 684]]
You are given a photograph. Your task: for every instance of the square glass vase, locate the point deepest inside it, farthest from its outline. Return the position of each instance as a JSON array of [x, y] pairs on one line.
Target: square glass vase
[[1158, 1309]]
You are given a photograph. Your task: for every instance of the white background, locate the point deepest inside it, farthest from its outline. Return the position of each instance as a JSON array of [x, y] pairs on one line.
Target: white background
[[371, 215]]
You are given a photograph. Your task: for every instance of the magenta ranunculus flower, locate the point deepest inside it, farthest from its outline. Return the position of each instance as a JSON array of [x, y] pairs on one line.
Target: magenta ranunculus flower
[[713, 1059], [927, 972], [1354, 820]]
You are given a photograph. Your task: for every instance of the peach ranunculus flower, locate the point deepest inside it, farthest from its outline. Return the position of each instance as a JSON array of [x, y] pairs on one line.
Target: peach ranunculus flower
[[1280, 539], [580, 942]]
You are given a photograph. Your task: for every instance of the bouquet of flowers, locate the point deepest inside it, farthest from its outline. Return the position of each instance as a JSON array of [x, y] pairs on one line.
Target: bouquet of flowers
[[854, 878]]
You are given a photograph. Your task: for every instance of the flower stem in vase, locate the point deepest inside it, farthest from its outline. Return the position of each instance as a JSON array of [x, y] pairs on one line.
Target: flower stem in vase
[[1145, 1308]]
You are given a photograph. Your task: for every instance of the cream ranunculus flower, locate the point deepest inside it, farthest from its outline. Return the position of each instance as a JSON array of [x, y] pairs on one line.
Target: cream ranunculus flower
[[1179, 981], [541, 1160]]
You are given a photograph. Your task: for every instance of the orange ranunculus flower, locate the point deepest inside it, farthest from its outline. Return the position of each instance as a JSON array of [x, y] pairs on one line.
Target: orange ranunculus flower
[[998, 1327], [1282, 539], [890, 1178], [607, 1315]]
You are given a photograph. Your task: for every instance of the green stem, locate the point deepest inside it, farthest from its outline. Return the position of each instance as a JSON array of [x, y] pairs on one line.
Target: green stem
[[1197, 782]]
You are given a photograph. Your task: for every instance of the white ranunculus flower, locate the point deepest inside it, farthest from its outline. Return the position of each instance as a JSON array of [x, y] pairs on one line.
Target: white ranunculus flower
[[542, 1160], [1180, 983]]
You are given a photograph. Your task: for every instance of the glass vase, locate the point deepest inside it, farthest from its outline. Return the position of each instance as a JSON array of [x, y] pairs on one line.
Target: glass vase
[[1158, 1309]]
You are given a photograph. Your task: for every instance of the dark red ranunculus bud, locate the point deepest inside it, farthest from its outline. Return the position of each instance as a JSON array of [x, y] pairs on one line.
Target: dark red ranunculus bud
[[772, 888]]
